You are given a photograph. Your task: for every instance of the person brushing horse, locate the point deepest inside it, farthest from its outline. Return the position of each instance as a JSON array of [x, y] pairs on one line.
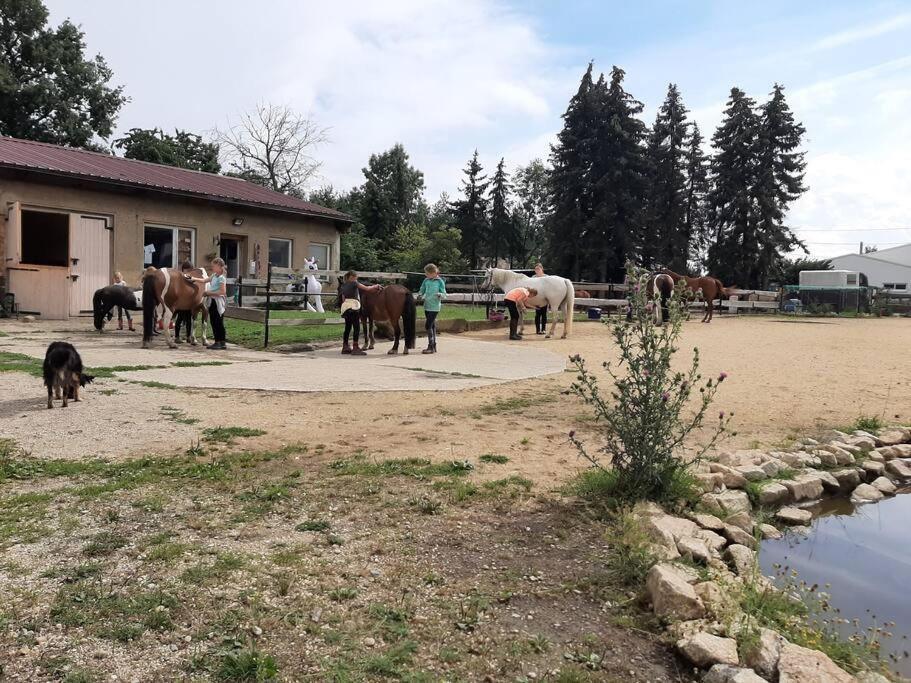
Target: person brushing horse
[[172, 291], [557, 293]]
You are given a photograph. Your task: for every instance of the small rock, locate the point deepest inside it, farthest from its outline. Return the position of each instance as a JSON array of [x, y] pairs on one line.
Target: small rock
[[772, 467], [794, 516], [884, 486], [752, 472], [804, 487], [710, 522], [671, 594], [773, 494], [764, 656], [709, 482], [725, 673], [741, 520], [898, 468], [902, 450], [870, 677], [864, 443], [741, 558], [369, 642], [704, 649], [714, 599], [800, 665], [848, 478], [737, 535], [27, 319], [866, 494], [829, 482], [826, 458], [732, 502], [694, 548], [769, 532], [892, 437], [729, 476], [873, 469]]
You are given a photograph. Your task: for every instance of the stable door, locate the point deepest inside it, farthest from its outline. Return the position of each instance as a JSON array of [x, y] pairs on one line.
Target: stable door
[[90, 261]]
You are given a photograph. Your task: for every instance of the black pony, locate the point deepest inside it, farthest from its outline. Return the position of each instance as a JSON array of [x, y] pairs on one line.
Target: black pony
[[106, 298]]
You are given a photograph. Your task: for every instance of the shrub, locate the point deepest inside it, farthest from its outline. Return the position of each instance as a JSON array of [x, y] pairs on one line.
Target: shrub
[[644, 417]]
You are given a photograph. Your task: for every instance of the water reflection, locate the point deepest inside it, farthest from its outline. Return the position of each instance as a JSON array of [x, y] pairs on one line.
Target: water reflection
[[864, 552]]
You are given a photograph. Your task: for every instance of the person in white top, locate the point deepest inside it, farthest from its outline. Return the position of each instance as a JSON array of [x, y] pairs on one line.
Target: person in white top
[[540, 311], [119, 281]]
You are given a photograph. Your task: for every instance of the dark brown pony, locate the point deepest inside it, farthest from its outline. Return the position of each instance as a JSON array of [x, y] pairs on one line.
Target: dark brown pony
[[169, 289], [710, 288], [388, 305]]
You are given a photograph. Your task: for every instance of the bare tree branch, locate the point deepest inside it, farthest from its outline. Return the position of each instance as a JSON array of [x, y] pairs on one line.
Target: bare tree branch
[[273, 145]]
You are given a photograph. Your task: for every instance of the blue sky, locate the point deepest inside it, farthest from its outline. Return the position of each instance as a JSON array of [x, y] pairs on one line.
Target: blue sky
[[446, 77]]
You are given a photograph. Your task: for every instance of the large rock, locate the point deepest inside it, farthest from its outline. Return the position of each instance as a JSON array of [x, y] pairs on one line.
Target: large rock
[[772, 467], [877, 455], [735, 534], [731, 477], [848, 478], [884, 486], [741, 558], [694, 548], [842, 455], [773, 494], [892, 437], [769, 532], [829, 482], [705, 650], [752, 472], [898, 469], [833, 435], [798, 459], [764, 656], [710, 522], [741, 520], [725, 673], [800, 665], [709, 482], [864, 443], [716, 601], [869, 677], [902, 450], [672, 595], [794, 516], [826, 458], [804, 487], [866, 494], [872, 469], [732, 502]]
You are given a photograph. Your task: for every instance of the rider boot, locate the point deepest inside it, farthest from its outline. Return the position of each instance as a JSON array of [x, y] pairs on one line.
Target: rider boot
[[120, 324], [514, 329], [130, 325], [346, 348], [356, 350]]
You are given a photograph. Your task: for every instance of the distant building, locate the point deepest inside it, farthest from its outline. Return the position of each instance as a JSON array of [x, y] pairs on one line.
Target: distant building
[[70, 218], [887, 268]]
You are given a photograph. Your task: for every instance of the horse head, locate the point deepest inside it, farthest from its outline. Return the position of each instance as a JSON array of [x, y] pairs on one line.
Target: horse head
[[487, 283], [98, 309]]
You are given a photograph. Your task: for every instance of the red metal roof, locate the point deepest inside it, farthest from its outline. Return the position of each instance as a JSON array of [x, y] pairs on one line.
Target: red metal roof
[[104, 168]]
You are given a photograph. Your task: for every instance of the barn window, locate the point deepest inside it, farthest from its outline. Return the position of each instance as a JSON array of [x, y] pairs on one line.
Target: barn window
[[280, 252], [45, 238], [322, 253], [166, 246]]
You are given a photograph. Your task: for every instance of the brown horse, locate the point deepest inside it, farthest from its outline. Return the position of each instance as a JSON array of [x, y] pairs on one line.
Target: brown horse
[[388, 305], [169, 289], [710, 288]]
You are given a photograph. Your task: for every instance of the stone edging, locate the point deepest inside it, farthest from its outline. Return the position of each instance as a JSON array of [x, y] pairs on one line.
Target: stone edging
[[703, 617]]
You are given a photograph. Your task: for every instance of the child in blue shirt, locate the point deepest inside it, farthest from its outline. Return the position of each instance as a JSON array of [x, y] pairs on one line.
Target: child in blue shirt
[[432, 291]]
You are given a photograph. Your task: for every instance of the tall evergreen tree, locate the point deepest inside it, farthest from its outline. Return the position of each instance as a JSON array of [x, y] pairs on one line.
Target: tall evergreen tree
[[501, 236], [734, 254], [533, 203], [392, 193], [779, 180], [620, 174], [470, 212], [666, 239], [571, 188], [696, 189]]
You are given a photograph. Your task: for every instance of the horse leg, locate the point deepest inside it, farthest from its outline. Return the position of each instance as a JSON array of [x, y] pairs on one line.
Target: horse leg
[[166, 321], [205, 322], [397, 334], [553, 323]]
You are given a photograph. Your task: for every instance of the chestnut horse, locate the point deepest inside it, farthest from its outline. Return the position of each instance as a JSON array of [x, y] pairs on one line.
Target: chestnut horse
[[710, 288], [388, 305], [169, 289]]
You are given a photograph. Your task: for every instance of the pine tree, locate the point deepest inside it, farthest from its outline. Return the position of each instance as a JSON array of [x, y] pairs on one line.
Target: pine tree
[[501, 236], [734, 253], [571, 182], [779, 181], [533, 195], [471, 212], [666, 239], [620, 173], [696, 189], [392, 193]]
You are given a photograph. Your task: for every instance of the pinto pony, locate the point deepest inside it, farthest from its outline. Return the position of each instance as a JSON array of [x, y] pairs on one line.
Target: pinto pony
[[710, 288], [555, 292], [661, 285], [388, 305], [169, 289]]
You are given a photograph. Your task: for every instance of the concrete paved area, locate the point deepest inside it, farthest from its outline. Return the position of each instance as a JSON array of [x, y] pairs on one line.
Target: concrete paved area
[[462, 363]]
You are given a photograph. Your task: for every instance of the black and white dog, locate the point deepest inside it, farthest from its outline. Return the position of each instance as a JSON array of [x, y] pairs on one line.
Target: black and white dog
[[63, 373]]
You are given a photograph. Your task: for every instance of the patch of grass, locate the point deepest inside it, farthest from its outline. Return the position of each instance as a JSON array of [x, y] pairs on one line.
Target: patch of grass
[[109, 371], [511, 487], [228, 434], [117, 614], [108, 392], [204, 573], [867, 423], [390, 662], [314, 525], [420, 468], [425, 505], [198, 363], [151, 384], [154, 503], [786, 473], [494, 458], [19, 362], [104, 544], [178, 416], [514, 404], [248, 666], [604, 488], [165, 552], [342, 594]]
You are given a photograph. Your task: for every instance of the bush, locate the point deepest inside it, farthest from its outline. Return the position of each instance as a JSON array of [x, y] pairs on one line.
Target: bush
[[644, 418]]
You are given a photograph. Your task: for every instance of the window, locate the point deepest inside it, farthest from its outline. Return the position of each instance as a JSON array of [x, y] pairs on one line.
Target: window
[[322, 253], [851, 279], [45, 238], [896, 286], [280, 252], [165, 246]]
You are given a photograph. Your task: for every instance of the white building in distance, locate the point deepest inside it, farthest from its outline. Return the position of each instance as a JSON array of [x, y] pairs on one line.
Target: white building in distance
[[887, 268]]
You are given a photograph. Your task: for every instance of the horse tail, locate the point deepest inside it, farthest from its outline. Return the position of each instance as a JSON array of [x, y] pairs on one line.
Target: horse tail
[[149, 301], [409, 319], [569, 308]]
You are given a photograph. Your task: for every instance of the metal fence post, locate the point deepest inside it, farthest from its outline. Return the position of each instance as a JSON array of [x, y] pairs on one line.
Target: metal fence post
[[268, 304]]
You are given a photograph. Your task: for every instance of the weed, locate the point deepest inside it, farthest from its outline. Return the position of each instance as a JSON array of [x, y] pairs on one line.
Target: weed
[[420, 468], [494, 458], [314, 525], [151, 384], [427, 506], [165, 552], [224, 564], [342, 594], [198, 363], [103, 544], [247, 665], [228, 434], [867, 423]]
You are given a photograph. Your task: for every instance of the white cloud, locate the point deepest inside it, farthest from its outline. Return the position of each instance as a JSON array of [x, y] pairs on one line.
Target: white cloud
[[856, 35]]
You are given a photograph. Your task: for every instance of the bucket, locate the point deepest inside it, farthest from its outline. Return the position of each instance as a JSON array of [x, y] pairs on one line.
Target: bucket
[[594, 314], [496, 316]]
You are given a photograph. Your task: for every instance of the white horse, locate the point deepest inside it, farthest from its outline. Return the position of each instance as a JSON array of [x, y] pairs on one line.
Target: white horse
[[313, 286], [555, 292]]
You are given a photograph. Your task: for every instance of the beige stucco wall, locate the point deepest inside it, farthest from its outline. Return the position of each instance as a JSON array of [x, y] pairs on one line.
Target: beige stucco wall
[[131, 212]]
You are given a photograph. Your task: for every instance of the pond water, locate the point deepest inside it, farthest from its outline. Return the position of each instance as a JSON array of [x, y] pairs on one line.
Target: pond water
[[864, 552]]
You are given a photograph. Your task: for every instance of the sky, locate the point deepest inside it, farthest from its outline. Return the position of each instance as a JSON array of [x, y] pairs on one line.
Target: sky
[[447, 77]]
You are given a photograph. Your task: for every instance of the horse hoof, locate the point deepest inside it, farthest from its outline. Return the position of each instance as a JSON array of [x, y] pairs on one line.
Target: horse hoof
[[405, 352], [392, 352]]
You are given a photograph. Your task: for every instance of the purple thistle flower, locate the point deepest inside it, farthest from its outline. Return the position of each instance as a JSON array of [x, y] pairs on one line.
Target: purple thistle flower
[[721, 415], [722, 375], [665, 397], [572, 433]]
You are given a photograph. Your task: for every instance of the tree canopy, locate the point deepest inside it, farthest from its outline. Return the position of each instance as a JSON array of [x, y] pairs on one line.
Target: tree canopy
[[49, 90], [183, 149]]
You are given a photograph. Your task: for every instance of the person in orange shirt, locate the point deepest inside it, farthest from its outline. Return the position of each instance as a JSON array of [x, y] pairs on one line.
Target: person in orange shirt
[[515, 301]]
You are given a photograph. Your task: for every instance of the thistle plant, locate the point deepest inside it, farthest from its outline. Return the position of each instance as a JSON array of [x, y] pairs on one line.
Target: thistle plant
[[647, 416]]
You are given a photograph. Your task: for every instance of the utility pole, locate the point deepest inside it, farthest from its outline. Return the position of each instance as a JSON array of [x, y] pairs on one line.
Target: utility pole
[[861, 251]]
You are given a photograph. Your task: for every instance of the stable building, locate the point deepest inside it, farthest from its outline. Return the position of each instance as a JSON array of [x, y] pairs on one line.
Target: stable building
[[888, 269], [70, 218]]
